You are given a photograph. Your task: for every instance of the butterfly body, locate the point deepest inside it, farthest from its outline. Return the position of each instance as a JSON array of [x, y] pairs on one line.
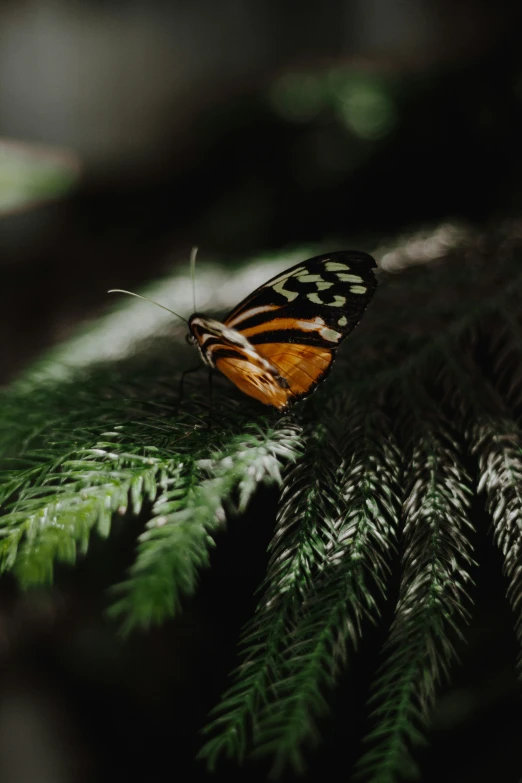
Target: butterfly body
[[280, 341]]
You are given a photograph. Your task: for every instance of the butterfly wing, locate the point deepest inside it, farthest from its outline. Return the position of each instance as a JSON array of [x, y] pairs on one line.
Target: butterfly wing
[[334, 285], [256, 377], [299, 318]]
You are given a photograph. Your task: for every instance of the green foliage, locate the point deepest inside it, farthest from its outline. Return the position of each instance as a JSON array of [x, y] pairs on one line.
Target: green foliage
[[432, 609], [345, 590], [53, 498], [187, 510], [420, 413], [334, 532], [309, 502], [498, 446]]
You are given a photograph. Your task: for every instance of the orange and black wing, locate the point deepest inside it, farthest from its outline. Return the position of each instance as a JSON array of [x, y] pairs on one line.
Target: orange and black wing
[[298, 319]]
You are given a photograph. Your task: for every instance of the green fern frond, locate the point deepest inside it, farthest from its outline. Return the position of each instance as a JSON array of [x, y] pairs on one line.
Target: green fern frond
[[310, 502], [433, 599], [49, 515], [176, 543], [495, 440], [97, 429], [358, 547], [506, 353], [52, 507], [497, 444]]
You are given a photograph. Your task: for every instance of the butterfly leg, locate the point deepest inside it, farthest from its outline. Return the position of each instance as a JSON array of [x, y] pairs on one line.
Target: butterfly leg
[[182, 381], [210, 399]]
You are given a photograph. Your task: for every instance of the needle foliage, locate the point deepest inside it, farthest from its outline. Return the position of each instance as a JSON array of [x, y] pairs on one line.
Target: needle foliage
[[378, 473]]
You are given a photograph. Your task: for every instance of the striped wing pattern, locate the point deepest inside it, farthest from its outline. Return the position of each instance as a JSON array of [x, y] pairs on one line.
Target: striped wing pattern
[[280, 341]]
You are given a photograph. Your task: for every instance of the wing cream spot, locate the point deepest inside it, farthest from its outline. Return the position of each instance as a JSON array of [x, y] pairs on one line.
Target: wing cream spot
[[349, 278], [338, 301], [309, 278], [280, 289], [357, 289], [335, 266], [319, 326], [342, 321], [312, 326], [323, 286], [330, 334]]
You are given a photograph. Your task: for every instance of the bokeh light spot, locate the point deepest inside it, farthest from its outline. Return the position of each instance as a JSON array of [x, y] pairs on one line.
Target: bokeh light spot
[[31, 174], [367, 110]]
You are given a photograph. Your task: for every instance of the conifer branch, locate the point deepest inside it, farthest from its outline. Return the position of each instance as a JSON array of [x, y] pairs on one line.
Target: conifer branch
[[308, 507], [433, 598], [108, 434], [52, 500], [176, 544], [357, 560], [54, 507], [506, 352], [497, 444]]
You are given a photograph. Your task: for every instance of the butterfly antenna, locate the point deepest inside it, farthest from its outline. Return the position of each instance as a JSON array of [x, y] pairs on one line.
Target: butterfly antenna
[[146, 298], [193, 254]]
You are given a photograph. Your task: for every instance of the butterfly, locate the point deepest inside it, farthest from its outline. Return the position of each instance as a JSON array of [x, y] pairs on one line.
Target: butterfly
[[280, 342]]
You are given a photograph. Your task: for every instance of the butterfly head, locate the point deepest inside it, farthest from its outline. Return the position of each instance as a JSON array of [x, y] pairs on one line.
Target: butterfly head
[[213, 337], [191, 335], [201, 328], [197, 325], [202, 332]]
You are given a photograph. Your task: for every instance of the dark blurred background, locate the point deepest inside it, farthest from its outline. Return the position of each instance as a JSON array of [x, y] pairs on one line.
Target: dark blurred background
[[133, 129]]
